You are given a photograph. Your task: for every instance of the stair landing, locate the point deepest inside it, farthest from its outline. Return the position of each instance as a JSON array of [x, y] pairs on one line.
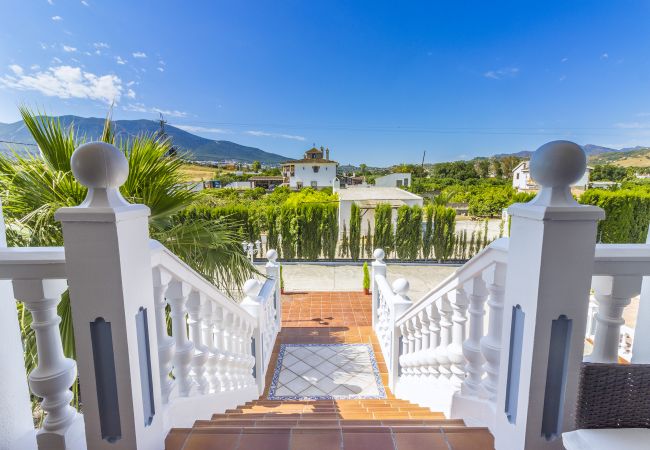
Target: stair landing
[[382, 423]]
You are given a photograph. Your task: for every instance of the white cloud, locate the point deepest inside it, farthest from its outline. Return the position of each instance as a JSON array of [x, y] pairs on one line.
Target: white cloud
[[563, 77], [198, 129], [139, 54], [50, 2], [69, 49], [141, 108], [632, 125], [275, 135], [16, 69], [34, 67], [84, 2], [67, 82], [604, 56], [120, 60], [101, 45], [564, 60], [160, 69], [130, 93], [56, 60], [130, 83], [57, 18], [499, 74]]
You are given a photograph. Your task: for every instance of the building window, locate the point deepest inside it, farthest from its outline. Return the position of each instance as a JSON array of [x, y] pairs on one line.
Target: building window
[[517, 177], [399, 183], [315, 168], [406, 182], [299, 184], [314, 184]]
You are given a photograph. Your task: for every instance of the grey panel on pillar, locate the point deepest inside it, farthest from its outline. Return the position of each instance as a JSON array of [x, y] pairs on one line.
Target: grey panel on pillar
[[144, 358], [514, 362], [105, 380], [556, 375], [254, 357]]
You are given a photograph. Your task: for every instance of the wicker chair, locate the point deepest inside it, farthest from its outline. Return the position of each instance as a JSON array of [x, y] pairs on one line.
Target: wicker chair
[[613, 396]]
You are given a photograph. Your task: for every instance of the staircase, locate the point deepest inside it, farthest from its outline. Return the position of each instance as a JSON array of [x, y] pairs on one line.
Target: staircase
[[364, 424], [329, 424]]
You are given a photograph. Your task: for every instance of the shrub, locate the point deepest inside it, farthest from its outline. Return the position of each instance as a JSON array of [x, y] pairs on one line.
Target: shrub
[[384, 228], [366, 276], [627, 214], [444, 225]]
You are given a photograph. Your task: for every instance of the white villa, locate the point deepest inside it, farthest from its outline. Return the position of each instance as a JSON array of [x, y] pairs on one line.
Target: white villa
[[491, 358], [367, 198], [394, 180], [522, 181], [314, 170]]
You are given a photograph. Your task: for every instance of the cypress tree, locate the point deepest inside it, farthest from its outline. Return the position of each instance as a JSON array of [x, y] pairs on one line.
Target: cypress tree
[[355, 232], [368, 247], [427, 239], [384, 228], [344, 251]]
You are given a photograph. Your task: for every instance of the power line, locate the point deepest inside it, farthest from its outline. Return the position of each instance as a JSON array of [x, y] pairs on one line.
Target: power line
[[15, 142]]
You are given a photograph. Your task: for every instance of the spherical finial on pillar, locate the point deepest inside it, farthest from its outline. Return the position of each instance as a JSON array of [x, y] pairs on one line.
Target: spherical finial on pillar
[[379, 254], [102, 168], [401, 286], [555, 166], [251, 288], [99, 165], [272, 255]]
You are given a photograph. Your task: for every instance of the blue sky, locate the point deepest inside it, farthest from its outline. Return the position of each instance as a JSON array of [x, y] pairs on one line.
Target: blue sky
[[377, 82]]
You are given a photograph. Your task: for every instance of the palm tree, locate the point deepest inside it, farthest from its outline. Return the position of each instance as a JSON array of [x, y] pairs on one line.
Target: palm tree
[[35, 186]]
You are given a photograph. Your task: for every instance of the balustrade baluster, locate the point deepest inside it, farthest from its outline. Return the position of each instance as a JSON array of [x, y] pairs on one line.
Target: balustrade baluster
[[404, 350], [166, 346], [222, 355], [208, 338], [459, 325], [613, 294], [177, 295], [433, 318], [417, 345], [201, 352], [55, 374], [446, 324], [477, 295], [491, 344], [421, 361], [229, 356]]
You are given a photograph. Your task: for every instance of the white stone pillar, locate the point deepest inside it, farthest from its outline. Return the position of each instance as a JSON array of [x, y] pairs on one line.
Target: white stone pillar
[[55, 374], [273, 272], [641, 344], [378, 268], [208, 339], [613, 294], [401, 303], [108, 264], [477, 295], [550, 265], [492, 344], [17, 428], [446, 324]]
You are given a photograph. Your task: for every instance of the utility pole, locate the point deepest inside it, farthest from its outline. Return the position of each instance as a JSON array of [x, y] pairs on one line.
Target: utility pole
[[423, 155]]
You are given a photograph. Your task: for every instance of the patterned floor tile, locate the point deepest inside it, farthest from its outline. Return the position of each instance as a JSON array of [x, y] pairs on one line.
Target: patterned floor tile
[[326, 371]]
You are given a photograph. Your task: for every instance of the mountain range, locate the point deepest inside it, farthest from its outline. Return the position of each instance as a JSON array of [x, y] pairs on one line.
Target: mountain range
[[197, 148]]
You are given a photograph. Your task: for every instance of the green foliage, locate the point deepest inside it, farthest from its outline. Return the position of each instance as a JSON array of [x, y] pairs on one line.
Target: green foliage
[[368, 248], [344, 251], [608, 172], [627, 214], [384, 237], [408, 232], [355, 231], [281, 279], [458, 170], [366, 276], [330, 230], [427, 238], [444, 225], [256, 166]]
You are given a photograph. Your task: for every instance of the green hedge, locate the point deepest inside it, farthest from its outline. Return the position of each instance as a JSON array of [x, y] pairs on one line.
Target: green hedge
[[627, 214]]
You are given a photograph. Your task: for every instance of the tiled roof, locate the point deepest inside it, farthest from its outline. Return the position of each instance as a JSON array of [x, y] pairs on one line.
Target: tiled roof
[[309, 160]]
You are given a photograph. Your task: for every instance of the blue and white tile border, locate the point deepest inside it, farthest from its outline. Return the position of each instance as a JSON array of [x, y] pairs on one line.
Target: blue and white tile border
[[278, 368]]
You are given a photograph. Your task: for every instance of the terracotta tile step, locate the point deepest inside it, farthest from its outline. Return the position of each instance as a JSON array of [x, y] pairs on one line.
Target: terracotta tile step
[[347, 438], [331, 422]]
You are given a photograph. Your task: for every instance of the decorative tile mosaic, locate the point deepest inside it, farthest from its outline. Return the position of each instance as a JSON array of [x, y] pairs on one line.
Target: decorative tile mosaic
[[326, 372]]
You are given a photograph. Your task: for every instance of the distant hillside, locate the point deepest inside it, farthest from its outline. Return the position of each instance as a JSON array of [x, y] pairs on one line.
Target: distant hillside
[[589, 149], [199, 148], [639, 157]]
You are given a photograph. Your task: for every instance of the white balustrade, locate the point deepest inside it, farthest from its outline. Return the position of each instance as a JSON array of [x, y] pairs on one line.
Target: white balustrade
[[177, 295], [458, 331], [166, 346], [195, 307]]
